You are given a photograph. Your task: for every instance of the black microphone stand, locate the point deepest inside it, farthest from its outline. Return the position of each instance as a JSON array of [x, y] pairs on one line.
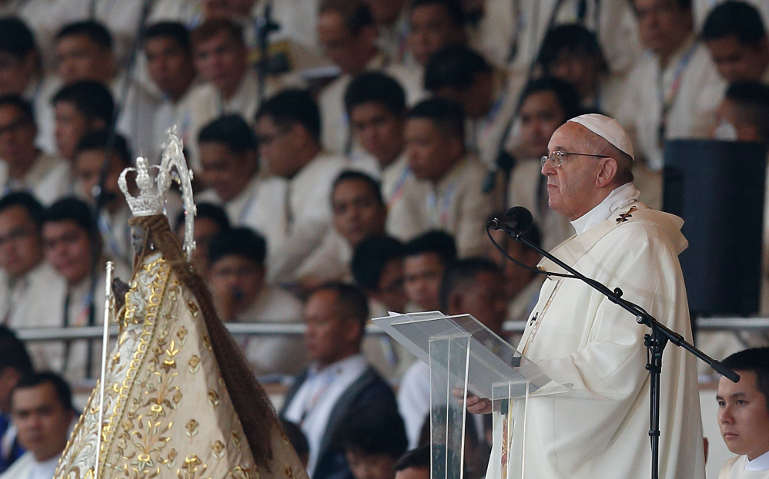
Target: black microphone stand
[[655, 342]]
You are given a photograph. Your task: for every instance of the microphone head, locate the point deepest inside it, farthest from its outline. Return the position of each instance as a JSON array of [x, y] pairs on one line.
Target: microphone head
[[518, 220]]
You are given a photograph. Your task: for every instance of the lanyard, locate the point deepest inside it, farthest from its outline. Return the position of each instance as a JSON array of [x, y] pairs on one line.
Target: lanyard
[[666, 98], [438, 204], [397, 192]]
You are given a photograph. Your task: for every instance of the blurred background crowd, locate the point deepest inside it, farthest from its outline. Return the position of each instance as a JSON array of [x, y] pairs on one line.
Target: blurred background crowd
[[347, 155]]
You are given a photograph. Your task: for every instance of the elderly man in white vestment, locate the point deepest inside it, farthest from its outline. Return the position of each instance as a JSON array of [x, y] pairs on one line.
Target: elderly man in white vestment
[[581, 340]]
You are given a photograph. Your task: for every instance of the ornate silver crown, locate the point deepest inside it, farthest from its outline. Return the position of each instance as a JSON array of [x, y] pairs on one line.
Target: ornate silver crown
[[153, 182]]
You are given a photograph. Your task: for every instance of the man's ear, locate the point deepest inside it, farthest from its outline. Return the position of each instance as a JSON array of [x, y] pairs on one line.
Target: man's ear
[[607, 171]]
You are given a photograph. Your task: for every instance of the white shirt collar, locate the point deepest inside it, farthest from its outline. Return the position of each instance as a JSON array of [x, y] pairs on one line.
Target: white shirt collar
[[619, 198], [761, 463], [43, 469]]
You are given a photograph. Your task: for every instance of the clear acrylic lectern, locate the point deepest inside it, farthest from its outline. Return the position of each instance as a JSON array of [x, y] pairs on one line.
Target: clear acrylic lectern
[[465, 356]]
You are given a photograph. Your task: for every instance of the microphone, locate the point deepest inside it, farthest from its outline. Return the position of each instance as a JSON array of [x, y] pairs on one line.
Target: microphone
[[515, 222]]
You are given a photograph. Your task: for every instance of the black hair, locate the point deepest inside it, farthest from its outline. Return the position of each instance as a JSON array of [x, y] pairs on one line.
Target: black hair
[[209, 211], [682, 4], [573, 38], [356, 14], [373, 429], [213, 26], [418, 458], [91, 98], [27, 201], [454, 66], [755, 360], [753, 100], [95, 31], [15, 355], [230, 130], [167, 29], [460, 273], [63, 391], [15, 37], [21, 104], [100, 140], [434, 241], [350, 297], [738, 19], [354, 175], [564, 92], [370, 257], [72, 209], [447, 115], [376, 87], [240, 241], [296, 437], [291, 106], [453, 9]]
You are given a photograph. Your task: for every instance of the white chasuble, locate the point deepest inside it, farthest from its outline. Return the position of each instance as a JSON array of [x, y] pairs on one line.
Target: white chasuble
[[583, 341]]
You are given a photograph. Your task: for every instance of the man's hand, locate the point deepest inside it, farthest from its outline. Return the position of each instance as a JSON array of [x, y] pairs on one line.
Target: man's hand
[[474, 404]]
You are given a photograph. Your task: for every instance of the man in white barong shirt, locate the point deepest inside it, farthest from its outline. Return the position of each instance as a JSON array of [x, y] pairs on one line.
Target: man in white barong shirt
[[583, 341], [743, 415]]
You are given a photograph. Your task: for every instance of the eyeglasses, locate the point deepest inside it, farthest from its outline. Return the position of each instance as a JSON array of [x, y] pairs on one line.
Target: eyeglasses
[[557, 157]]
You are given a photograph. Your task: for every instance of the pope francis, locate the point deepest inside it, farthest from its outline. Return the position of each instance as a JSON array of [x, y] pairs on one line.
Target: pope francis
[[592, 346]]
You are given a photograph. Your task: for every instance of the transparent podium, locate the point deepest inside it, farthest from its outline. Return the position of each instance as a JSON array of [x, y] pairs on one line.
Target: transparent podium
[[465, 356]]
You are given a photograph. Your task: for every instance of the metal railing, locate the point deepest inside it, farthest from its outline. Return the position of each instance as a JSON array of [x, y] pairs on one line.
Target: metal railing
[[294, 329]]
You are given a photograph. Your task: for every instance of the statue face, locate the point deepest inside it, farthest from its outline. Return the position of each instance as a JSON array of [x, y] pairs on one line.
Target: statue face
[[138, 236]]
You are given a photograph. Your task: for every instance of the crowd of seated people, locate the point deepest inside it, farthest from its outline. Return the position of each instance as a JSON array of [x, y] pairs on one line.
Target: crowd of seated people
[[349, 173]]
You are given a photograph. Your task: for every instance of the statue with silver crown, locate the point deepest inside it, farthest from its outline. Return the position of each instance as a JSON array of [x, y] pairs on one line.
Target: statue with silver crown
[[176, 398]]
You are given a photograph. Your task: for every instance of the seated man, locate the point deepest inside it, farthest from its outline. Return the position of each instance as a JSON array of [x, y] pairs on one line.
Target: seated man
[[229, 158], [736, 38], [23, 74], [472, 286], [424, 260], [461, 74], [377, 267], [227, 85], [22, 165], [25, 278], [171, 69], [571, 53], [15, 363], [415, 464], [210, 220], [237, 280], [376, 106], [92, 151], [455, 200], [743, 414], [358, 212], [85, 51], [73, 247], [288, 129], [80, 108], [338, 379], [743, 113], [434, 24], [373, 442], [42, 412], [347, 33]]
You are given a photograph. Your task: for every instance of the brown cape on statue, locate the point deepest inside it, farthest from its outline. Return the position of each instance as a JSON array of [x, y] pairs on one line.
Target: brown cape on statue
[[179, 399]]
